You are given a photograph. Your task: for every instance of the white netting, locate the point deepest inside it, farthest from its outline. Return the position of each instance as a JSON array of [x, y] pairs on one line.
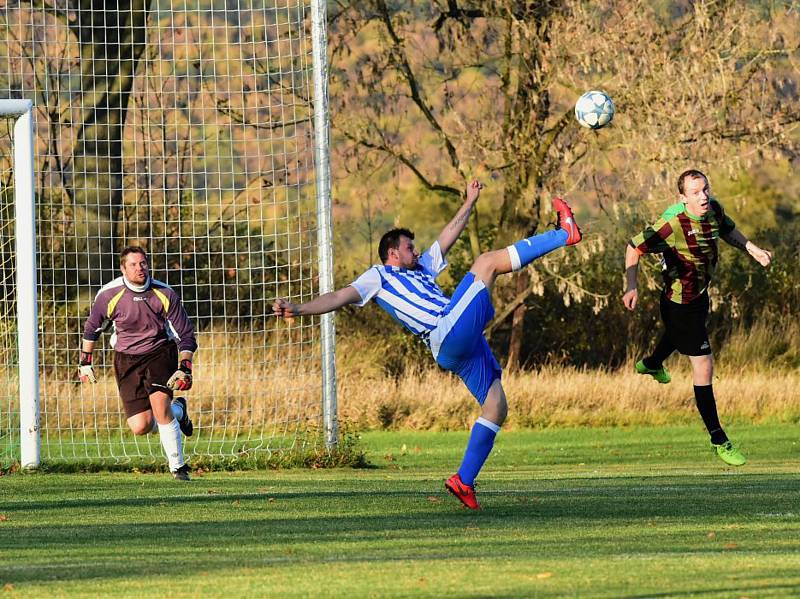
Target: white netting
[[185, 128]]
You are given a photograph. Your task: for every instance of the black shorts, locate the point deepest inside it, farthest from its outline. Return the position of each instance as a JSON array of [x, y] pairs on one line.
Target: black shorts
[[139, 376], [685, 325]]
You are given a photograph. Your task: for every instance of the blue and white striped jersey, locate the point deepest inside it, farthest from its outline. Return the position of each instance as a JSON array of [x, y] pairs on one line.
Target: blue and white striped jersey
[[410, 296]]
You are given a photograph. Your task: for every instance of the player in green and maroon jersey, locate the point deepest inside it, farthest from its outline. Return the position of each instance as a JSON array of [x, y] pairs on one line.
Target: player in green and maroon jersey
[[686, 237]]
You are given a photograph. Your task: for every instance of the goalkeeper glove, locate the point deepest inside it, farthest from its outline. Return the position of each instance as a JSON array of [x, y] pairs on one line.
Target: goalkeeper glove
[[182, 379], [85, 370]]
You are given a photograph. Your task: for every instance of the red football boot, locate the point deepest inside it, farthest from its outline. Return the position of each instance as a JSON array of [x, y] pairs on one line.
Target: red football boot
[[464, 492], [566, 221]]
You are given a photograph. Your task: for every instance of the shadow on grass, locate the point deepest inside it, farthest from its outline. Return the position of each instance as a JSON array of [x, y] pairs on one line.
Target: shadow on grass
[[547, 519], [730, 591]]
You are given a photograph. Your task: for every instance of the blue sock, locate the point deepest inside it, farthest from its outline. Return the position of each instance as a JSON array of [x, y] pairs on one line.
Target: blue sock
[[479, 446], [527, 250]]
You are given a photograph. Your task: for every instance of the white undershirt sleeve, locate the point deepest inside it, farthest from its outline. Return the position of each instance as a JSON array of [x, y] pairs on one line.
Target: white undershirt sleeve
[[368, 285], [432, 260]]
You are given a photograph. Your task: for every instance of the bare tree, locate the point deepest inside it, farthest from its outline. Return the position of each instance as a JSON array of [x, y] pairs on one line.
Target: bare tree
[[453, 89]]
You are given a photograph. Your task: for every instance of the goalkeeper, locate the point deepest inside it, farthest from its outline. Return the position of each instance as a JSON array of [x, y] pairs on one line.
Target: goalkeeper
[[150, 329], [404, 285], [686, 237]]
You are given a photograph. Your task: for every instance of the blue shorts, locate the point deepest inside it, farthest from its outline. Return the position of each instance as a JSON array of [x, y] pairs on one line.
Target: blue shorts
[[458, 343]]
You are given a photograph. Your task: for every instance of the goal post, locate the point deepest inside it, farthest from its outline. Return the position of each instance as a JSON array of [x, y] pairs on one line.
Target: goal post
[[25, 284], [203, 138], [324, 225]]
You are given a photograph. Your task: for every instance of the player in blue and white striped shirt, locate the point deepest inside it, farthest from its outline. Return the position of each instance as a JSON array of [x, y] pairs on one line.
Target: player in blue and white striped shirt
[[404, 285]]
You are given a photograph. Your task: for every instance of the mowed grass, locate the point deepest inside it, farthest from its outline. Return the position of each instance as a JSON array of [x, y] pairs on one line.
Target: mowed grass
[[636, 512]]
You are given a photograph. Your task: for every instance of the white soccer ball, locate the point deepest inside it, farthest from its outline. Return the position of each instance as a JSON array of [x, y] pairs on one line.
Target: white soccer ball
[[594, 110]]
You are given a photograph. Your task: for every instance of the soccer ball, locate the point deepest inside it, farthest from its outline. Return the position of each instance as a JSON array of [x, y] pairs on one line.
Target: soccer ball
[[594, 110]]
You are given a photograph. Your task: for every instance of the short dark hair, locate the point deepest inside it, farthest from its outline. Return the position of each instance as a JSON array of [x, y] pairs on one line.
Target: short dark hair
[[690, 174], [131, 249], [391, 239]]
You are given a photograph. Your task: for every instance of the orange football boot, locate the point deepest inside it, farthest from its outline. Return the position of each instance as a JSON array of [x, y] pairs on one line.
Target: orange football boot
[[566, 221], [464, 492]]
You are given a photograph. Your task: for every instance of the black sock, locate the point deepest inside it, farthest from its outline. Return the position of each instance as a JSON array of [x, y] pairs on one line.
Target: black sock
[[663, 350], [707, 406]]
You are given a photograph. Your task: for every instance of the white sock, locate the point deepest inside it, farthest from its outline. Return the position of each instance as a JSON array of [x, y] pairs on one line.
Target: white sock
[[172, 443], [177, 410]]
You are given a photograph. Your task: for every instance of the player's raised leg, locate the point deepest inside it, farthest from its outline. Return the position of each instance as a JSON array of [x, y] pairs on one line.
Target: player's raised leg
[[654, 363], [181, 413], [144, 423], [515, 257]]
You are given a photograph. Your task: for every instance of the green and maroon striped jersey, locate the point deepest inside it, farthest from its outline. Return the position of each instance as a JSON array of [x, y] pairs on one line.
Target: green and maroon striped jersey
[[688, 248]]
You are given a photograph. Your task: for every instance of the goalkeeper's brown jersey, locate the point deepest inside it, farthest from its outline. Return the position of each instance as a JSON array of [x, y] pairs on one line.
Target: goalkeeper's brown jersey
[[688, 245], [143, 319]]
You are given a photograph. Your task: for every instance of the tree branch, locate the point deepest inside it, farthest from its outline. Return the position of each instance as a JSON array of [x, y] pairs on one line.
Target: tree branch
[[238, 117], [551, 135], [737, 134], [405, 160], [413, 84], [455, 12], [520, 298]]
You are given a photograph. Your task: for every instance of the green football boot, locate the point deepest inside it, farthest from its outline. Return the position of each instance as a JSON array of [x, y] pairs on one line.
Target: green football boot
[[661, 375], [729, 454]]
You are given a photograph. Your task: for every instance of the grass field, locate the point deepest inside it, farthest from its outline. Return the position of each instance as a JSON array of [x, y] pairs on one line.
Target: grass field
[[637, 512]]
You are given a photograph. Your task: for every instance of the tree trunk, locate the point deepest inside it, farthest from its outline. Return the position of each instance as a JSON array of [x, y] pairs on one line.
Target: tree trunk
[[527, 109], [517, 324], [112, 37]]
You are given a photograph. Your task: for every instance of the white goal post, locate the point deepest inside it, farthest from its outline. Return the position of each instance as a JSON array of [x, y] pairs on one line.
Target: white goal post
[[25, 237], [197, 130], [324, 225]]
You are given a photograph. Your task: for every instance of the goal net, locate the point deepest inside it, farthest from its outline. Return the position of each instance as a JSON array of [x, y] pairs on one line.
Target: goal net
[[185, 128]]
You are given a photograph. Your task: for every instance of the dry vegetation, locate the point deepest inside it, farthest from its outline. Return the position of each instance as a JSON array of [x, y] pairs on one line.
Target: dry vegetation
[[564, 396], [250, 394], [749, 384]]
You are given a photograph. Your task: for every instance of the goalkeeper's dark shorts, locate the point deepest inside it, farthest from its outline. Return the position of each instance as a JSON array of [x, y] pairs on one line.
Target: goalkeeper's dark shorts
[[685, 325], [139, 376]]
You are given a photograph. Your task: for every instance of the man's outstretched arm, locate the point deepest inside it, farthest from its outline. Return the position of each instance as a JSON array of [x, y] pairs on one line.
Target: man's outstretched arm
[[327, 302], [737, 239], [454, 228]]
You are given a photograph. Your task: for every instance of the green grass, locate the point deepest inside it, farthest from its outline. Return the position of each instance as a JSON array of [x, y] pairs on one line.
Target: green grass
[[579, 512]]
